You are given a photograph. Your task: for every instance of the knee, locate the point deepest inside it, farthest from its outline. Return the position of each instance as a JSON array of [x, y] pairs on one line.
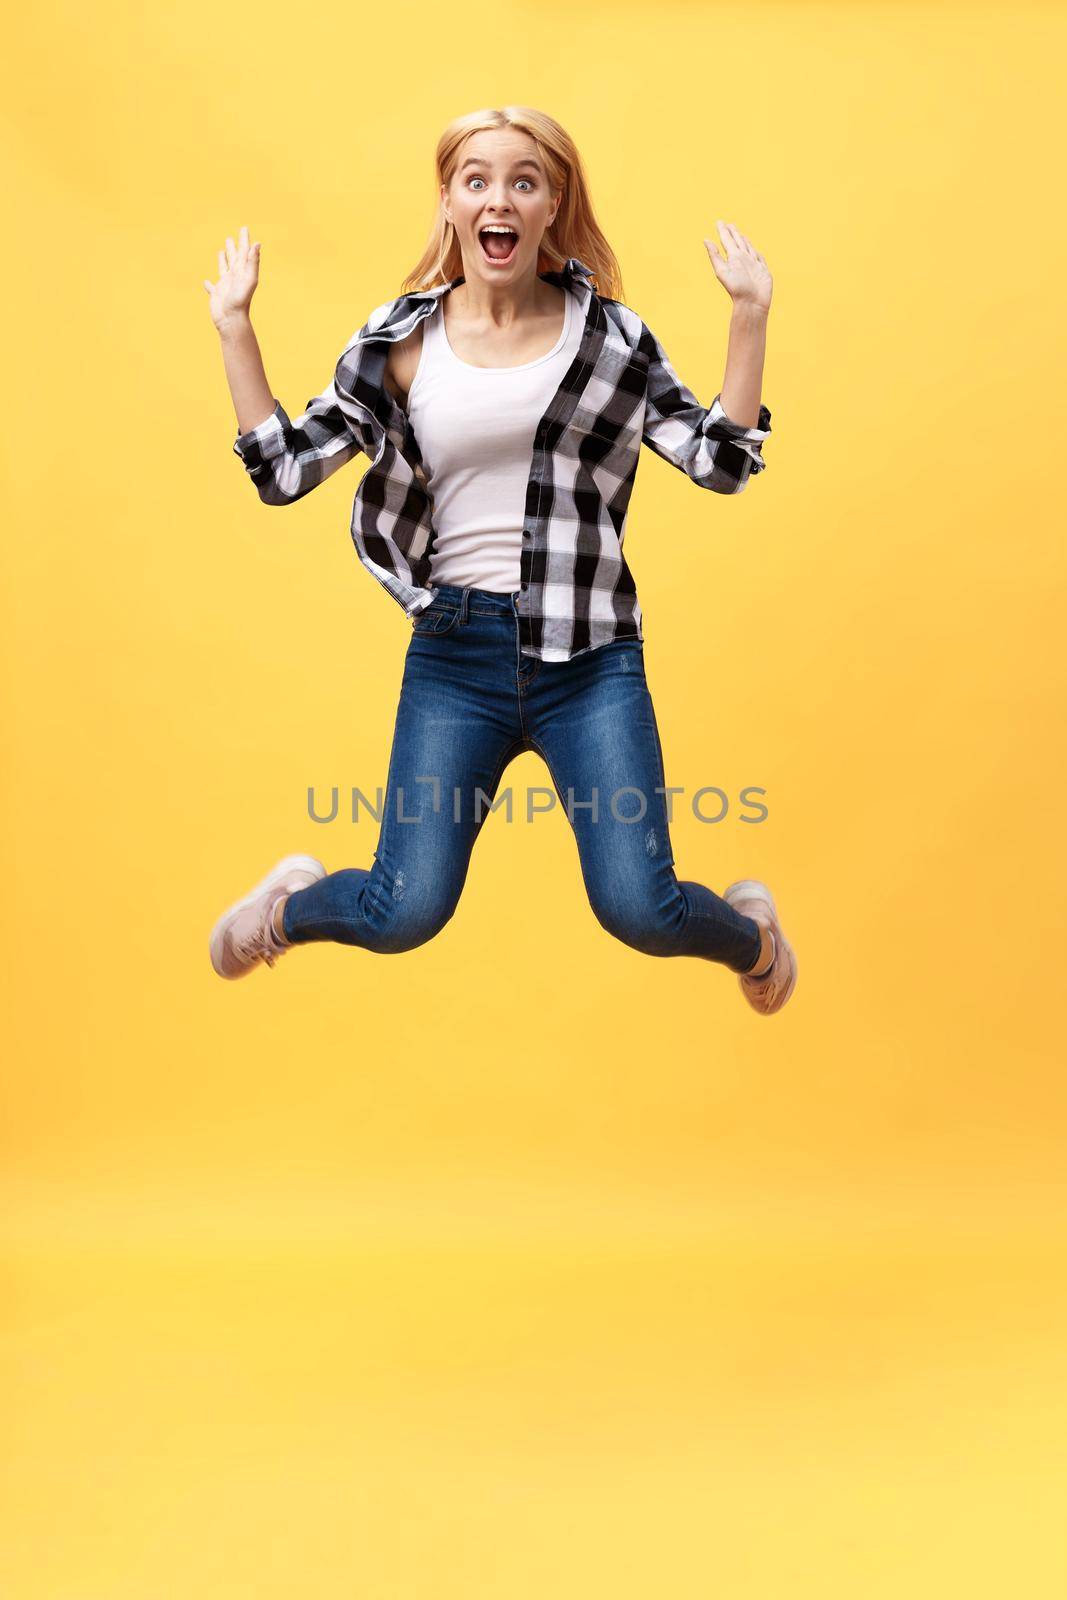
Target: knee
[[412, 922], [637, 923]]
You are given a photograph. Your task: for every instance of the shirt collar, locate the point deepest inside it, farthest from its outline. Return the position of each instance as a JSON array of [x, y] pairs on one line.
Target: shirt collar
[[578, 269], [409, 309]]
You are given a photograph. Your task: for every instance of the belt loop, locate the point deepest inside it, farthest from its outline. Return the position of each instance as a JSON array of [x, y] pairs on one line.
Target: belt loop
[[464, 598]]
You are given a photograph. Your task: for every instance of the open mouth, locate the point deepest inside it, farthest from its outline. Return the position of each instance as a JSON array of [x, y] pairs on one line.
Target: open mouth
[[497, 247]]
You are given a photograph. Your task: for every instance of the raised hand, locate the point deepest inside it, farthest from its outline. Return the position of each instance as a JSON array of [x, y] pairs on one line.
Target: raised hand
[[744, 274], [238, 277]]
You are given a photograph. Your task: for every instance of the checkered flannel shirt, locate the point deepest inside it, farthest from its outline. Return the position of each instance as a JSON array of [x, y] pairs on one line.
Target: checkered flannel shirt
[[620, 391]]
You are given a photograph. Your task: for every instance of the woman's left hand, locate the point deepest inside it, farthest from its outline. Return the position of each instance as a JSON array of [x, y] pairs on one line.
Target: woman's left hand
[[744, 274]]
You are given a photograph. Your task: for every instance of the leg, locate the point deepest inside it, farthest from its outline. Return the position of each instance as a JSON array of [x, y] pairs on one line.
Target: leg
[[452, 733], [593, 721]]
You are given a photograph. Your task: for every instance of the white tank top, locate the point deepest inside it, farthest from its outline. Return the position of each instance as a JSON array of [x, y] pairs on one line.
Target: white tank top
[[475, 428]]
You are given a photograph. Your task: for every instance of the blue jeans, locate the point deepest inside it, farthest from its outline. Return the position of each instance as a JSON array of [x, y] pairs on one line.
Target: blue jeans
[[469, 703]]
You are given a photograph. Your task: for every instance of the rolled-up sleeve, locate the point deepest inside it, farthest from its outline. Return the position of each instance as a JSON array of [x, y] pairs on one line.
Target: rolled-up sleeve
[[701, 441], [287, 459]]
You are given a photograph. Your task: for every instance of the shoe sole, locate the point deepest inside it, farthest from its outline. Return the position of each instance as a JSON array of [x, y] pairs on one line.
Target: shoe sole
[[282, 870], [753, 889]]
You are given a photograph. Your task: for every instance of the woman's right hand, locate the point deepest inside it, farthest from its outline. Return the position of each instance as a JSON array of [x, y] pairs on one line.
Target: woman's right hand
[[238, 277]]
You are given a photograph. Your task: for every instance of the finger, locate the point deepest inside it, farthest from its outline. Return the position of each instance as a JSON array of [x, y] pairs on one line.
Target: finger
[[242, 238], [727, 236], [231, 249], [223, 265], [209, 286], [742, 243]]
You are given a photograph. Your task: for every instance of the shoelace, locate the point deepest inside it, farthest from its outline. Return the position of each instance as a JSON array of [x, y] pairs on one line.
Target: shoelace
[[254, 949], [257, 946]]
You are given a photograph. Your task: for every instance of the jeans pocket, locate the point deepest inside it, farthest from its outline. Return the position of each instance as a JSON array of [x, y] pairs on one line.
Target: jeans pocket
[[436, 618]]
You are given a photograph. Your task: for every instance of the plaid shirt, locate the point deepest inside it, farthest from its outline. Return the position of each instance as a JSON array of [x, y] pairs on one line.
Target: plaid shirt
[[576, 590]]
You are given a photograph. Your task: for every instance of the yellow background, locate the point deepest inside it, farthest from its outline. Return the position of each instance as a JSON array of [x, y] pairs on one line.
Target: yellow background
[[523, 1264]]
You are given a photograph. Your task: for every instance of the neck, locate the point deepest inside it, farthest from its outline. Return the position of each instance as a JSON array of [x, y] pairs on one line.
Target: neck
[[479, 300]]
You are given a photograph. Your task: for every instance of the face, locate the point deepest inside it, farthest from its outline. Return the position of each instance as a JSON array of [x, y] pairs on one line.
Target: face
[[499, 181]]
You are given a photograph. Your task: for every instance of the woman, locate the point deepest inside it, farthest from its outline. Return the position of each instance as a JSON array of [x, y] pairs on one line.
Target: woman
[[503, 402]]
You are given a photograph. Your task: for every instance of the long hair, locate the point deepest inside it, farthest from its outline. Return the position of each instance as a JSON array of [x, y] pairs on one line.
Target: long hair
[[573, 232]]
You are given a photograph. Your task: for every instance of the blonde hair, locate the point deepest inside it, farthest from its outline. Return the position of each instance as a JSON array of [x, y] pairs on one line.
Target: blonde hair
[[574, 230]]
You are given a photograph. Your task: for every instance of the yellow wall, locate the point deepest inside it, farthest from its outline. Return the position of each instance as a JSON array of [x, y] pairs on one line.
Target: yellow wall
[[524, 1264]]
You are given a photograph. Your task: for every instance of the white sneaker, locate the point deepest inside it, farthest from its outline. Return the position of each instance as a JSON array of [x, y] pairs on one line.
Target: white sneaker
[[244, 935], [770, 992]]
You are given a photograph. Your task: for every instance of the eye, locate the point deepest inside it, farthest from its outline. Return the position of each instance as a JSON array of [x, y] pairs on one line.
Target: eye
[[476, 179]]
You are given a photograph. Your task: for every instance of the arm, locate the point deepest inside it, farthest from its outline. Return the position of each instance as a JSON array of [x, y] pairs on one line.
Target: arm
[[744, 363], [706, 443], [721, 447], [285, 460]]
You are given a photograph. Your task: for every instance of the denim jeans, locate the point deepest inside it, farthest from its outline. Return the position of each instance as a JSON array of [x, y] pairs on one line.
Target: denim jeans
[[470, 702]]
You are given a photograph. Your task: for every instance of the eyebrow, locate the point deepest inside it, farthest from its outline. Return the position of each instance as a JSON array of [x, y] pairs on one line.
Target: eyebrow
[[476, 161]]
